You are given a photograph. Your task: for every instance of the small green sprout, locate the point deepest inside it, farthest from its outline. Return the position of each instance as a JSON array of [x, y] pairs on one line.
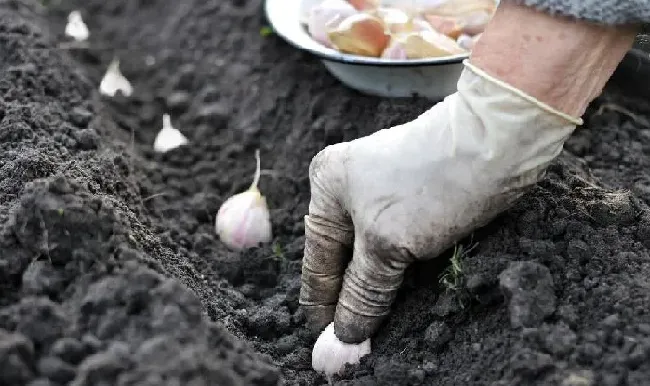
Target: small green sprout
[[277, 251], [266, 31], [452, 279], [452, 276]]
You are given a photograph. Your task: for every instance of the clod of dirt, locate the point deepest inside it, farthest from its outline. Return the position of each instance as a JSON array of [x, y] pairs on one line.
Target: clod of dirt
[[528, 288], [16, 356], [438, 334]]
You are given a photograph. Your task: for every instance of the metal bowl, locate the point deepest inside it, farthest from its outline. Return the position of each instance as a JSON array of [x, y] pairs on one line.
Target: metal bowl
[[433, 78]]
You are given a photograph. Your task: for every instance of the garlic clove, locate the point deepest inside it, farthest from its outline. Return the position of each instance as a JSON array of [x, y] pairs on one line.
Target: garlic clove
[[363, 5], [243, 220], [395, 20], [326, 16], [113, 81], [456, 8], [168, 137], [360, 34], [76, 28], [467, 42], [421, 25], [446, 25], [330, 355], [395, 49], [475, 23], [430, 44]]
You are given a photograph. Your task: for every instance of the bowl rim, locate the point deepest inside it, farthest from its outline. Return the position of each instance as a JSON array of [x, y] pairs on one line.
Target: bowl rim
[[328, 54]]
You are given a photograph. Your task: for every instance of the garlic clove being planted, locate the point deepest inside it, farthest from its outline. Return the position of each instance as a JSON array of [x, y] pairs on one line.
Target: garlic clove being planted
[[76, 28], [168, 137], [243, 220], [326, 16], [360, 34], [113, 81], [330, 355]]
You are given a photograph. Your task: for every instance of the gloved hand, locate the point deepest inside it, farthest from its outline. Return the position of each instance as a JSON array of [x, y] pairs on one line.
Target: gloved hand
[[409, 192]]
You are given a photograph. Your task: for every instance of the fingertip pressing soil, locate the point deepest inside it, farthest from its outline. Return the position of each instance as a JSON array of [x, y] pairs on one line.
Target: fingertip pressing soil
[[111, 272]]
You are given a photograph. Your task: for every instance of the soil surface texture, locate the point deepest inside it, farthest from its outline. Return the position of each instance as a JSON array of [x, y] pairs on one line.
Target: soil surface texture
[[111, 272]]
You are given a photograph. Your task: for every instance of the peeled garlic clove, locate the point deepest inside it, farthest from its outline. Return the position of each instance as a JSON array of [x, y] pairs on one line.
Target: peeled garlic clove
[[363, 5], [394, 19], [467, 42], [326, 16], [430, 44], [330, 355], [168, 137], [446, 25], [243, 220], [113, 81], [395, 49], [360, 34], [76, 28], [420, 25], [458, 7], [475, 23]]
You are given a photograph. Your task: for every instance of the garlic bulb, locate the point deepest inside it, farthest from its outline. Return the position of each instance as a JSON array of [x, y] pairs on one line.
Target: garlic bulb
[[326, 16], [114, 81], [168, 137], [330, 355], [76, 28], [243, 220]]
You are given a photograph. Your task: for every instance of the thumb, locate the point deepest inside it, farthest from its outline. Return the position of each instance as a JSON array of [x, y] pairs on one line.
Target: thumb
[[369, 288]]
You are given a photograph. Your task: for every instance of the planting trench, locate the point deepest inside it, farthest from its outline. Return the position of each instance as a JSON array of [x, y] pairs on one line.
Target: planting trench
[[110, 271]]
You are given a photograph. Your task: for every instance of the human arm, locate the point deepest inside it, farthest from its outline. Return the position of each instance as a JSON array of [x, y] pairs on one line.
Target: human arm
[[409, 192]]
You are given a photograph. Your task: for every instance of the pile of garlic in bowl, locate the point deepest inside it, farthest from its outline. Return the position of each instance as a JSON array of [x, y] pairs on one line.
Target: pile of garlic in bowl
[[399, 29]]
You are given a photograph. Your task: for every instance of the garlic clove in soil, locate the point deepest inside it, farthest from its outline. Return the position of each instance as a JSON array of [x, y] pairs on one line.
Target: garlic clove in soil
[[326, 16], [330, 355], [76, 28], [360, 34], [243, 220], [168, 137], [113, 81]]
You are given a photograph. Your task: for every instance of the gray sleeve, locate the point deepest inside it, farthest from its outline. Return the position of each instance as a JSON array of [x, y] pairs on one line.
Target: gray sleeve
[[613, 12]]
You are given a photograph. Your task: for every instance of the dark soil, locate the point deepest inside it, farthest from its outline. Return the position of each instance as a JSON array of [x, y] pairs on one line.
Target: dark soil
[[111, 272]]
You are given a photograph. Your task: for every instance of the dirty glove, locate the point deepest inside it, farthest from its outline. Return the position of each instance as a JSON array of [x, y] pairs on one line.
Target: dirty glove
[[409, 192]]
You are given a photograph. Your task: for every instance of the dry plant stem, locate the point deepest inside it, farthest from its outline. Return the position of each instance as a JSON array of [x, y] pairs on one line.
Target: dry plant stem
[[562, 62]]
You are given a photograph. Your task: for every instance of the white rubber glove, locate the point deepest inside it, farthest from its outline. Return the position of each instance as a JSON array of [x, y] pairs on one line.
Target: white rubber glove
[[410, 192]]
